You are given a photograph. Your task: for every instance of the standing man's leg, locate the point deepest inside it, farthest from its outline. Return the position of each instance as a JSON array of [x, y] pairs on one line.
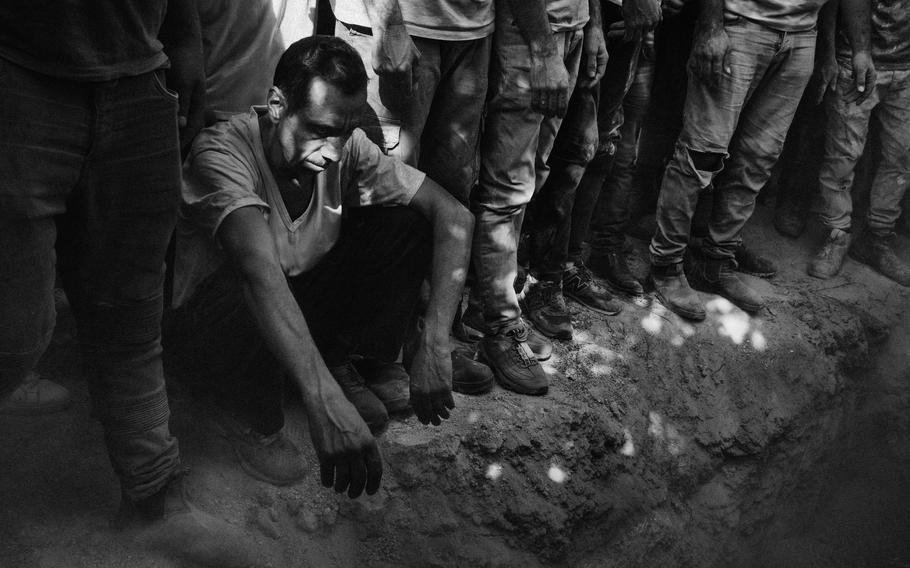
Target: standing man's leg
[[875, 245]]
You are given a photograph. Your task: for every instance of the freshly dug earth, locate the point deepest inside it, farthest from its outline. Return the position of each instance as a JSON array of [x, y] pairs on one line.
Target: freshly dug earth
[[777, 440]]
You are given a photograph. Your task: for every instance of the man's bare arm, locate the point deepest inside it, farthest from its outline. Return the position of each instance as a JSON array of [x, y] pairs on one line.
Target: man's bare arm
[[182, 39], [857, 19], [826, 62], [431, 372], [348, 456], [394, 53], [708, 60], [549, 77]]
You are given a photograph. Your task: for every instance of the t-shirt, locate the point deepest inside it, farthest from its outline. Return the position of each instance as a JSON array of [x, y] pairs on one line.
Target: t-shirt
[[782, 15], [242, 43], [566, 15], [83, 40], [227, 170], [450, 20], [890, 35]]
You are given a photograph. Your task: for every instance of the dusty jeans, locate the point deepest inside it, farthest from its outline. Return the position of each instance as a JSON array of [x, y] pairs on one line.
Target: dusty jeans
[[94, 168], [435, 128], [845, 140], [514, 150], [738, 127]]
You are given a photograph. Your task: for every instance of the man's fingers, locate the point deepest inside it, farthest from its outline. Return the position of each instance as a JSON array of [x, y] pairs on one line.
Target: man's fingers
[[342, 476], [358, 478], [448, 401], [421, 407], [373, 462]]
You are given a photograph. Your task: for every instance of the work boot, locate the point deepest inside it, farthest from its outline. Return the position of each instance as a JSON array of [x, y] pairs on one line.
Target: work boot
[[749, 262], [367, 404], [547, 310], [613, 268], [789, 222], [830, 258], [35, 396], [475, 329], [877, 251], [271, 458], [388, 381], [673, 291], [579, 284], [512, 361], [168, 523], [719, 276], [468, 375]]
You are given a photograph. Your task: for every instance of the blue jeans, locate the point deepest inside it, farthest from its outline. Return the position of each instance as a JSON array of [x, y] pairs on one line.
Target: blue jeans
[[845, 140], [514, 150], [94, 168], [738, 127], [446, 104]]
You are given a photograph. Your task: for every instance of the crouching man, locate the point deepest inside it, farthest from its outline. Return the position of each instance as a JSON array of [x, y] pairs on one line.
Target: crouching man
[[301, 251]]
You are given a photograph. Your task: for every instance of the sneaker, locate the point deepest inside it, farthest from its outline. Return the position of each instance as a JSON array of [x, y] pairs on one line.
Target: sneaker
[[789, 222], [388, 381], [579, 284], [355, 389], [273, 458], [475, 329], [36, 396], [673, 291], [468, 375], [877, 251], [613, 268], [512, 361], [547, 310], [749, 262], [719, 276], [830, 258], [168, 523]]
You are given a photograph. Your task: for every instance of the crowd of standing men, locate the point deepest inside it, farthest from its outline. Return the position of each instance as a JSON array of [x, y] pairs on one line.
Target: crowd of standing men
[[346, 188]]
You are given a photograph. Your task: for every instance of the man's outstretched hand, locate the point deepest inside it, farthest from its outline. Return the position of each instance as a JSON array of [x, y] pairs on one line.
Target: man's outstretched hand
[[431, 383], [349, 459]]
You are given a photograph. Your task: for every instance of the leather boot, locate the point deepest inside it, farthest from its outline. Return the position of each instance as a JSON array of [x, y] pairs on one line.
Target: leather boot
[[719, 276], [877, 250], [673, 291]]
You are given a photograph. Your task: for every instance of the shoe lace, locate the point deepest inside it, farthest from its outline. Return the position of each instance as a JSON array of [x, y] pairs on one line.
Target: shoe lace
[[519, 352]]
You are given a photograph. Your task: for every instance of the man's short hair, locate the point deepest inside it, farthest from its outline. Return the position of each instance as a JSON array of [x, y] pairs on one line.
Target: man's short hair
[[326, 57]]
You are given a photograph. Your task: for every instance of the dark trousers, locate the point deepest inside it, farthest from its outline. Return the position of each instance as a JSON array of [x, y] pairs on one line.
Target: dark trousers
[[357, 301], [89, 184]]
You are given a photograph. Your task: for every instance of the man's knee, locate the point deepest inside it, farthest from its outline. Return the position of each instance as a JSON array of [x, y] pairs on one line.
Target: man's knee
[[706, 161]]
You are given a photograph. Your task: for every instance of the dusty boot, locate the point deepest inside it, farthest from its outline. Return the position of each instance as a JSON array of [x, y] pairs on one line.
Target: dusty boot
[[749, 262], [720, 277], [35, 396], [830, 258], [513, 363], [388, 381], [547, 310], [166, 522], [579, 284], [673, 291], [470, 376], [368, 405], [613, 268], [271, 458], [877, 251]]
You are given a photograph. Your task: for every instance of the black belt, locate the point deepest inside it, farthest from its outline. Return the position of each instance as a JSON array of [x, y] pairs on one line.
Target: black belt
[[362, 30]]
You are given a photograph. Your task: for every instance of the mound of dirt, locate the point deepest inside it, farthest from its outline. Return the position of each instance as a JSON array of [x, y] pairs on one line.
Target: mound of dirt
[[661, 443]]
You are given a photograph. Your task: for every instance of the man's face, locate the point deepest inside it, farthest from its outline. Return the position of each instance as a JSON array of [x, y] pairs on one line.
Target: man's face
[[312, 137]]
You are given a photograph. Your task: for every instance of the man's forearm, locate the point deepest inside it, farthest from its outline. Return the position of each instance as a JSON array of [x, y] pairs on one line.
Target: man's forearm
[[452, 235], [827, 27], [383, 14], [711, 15], [181, 25], [856, 18]]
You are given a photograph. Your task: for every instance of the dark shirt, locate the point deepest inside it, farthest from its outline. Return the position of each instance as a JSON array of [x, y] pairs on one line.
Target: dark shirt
[[890, 35], [84, 40]]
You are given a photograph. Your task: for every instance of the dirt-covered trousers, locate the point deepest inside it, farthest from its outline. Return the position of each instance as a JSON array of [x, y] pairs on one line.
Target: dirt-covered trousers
[[514, 150], [845, 140], [560, 213], [94, 168], [739, 127], [435, 126], [359, 300]]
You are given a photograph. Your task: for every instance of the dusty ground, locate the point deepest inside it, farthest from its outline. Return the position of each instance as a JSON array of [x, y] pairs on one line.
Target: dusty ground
[[779, 440]]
